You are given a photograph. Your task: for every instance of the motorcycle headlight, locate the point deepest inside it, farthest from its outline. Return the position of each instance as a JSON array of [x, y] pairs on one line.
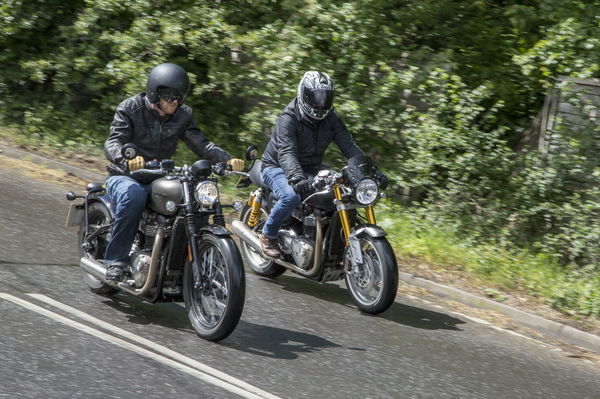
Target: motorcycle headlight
[[366, 192], [206, 193]]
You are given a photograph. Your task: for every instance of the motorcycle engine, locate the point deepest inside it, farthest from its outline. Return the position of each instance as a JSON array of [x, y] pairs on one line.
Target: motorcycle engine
[[140, 265], [300, 248]]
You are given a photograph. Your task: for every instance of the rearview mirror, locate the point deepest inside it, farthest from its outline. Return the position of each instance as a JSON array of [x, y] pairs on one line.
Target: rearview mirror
[[252, 153], [129, 151]]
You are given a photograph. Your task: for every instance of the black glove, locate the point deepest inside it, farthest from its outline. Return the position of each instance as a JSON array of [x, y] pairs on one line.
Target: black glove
[[304, 187], [381, 179]]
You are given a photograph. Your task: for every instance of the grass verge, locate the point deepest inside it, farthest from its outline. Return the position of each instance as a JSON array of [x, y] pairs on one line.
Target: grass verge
[[498, 271]]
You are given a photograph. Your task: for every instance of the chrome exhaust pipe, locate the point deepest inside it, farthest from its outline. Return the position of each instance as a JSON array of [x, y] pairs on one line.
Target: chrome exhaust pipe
[[248, 236], [245, 234], [98, 270], [94, 268]]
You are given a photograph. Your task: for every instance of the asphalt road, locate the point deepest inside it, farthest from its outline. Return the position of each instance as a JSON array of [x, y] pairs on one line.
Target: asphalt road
[[296, 339]]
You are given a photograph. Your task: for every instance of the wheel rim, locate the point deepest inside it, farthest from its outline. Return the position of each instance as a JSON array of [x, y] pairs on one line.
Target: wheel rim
[[366, 281], [253, 256], [210, 301]]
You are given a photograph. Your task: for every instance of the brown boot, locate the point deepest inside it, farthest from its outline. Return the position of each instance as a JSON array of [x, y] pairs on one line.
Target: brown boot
[[269, 247]]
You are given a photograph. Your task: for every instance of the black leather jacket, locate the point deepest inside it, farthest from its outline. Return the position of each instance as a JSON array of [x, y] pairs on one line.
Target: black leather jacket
[[297, 146], [156, 137]]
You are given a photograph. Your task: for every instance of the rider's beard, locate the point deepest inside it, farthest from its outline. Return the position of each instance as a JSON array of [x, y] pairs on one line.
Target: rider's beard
[[166, 108]]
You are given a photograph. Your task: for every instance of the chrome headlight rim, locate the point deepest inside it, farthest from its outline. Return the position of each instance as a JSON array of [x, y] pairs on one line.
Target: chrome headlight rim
[[366, 191], [206, 193]]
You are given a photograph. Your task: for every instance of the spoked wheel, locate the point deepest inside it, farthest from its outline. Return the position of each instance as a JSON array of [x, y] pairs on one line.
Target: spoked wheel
[[214, 302], [93, 244], [259, 265], [373, 285]]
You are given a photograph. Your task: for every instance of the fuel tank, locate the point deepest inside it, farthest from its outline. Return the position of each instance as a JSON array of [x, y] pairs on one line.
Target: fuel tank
[[165, 193]]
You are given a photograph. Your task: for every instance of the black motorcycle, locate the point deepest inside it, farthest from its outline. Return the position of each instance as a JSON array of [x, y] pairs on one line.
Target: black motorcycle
[[178, 254], [326, 238]]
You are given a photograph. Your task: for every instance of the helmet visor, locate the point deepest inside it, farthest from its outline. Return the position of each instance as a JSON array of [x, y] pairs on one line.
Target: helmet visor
[[319, 99], [169, 95]]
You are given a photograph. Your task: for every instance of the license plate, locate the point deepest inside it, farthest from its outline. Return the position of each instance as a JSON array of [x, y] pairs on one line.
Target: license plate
[[74, 216]]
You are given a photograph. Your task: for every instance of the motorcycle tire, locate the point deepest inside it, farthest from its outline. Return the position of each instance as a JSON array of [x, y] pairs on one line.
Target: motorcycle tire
[[374, 286], [252, 258], [215, 310], [98, 215]]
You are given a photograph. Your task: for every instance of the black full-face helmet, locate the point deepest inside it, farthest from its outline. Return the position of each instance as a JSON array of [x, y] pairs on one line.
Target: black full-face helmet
[[169, 82], [315, 95]]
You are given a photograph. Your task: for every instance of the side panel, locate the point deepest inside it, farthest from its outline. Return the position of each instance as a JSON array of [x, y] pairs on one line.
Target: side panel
[[177, 246]]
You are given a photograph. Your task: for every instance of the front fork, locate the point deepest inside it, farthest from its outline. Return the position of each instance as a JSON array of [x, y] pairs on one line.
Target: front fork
[[352, 242], [192, 233], [370, 213]]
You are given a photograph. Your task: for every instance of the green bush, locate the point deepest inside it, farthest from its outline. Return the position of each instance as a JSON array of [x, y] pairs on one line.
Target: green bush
[[437, 92]]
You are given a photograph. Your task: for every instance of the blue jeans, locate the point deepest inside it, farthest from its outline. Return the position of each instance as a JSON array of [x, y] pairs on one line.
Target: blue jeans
[[130, 199], [287, 201]]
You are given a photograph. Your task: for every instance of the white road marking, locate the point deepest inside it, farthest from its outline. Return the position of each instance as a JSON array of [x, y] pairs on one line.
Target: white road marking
[[199, 370], [153, 345]]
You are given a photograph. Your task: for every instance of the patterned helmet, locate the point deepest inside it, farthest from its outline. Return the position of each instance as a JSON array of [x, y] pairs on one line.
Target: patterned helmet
[[315, 94]]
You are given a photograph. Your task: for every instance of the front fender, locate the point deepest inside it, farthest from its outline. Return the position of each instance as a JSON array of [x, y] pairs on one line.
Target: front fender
[[216, 230], [371, 230]]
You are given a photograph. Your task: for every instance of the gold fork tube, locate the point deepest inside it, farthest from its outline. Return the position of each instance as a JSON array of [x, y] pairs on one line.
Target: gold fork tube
[[337, 193], [370, 214]]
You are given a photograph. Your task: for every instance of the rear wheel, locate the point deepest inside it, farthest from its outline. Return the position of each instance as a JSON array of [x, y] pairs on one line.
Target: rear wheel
[[373, 285], [259, 265], [93, 241], [214, 305]]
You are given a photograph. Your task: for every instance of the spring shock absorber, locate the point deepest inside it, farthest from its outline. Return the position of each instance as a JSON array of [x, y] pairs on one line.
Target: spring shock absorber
[[255, 202]]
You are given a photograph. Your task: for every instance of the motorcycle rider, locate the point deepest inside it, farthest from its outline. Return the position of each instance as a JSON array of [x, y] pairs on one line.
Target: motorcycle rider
[[302, 133], [154, 121]]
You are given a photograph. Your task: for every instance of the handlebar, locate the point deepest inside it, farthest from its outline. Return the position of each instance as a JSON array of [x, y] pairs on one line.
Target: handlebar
[[219, 169]]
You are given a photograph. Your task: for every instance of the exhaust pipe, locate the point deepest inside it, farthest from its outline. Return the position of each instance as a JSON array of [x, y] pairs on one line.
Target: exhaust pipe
[[241, 230], [93, 267], [248, 236], [98, 270]]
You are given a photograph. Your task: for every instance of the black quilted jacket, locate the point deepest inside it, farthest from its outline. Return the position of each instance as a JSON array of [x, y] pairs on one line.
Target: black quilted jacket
[[136, 122], [298, 146]]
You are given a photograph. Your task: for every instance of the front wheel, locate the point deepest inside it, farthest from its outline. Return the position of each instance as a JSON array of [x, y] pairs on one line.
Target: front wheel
[[373, 285], [214, 302]]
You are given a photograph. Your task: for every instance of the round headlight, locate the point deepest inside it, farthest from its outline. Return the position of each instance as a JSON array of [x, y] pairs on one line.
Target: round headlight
[[366, 191], [206, 193]]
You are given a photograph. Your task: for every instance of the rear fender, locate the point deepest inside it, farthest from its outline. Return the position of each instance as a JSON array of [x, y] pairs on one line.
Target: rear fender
[[105, 200]]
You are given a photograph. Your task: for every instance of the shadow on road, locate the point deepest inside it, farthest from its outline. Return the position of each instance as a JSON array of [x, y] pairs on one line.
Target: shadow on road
[[166, 314], [398, 313], [275, 342]]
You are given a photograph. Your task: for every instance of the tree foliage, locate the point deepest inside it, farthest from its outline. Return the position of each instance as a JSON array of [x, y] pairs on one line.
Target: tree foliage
[[437, 92]]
